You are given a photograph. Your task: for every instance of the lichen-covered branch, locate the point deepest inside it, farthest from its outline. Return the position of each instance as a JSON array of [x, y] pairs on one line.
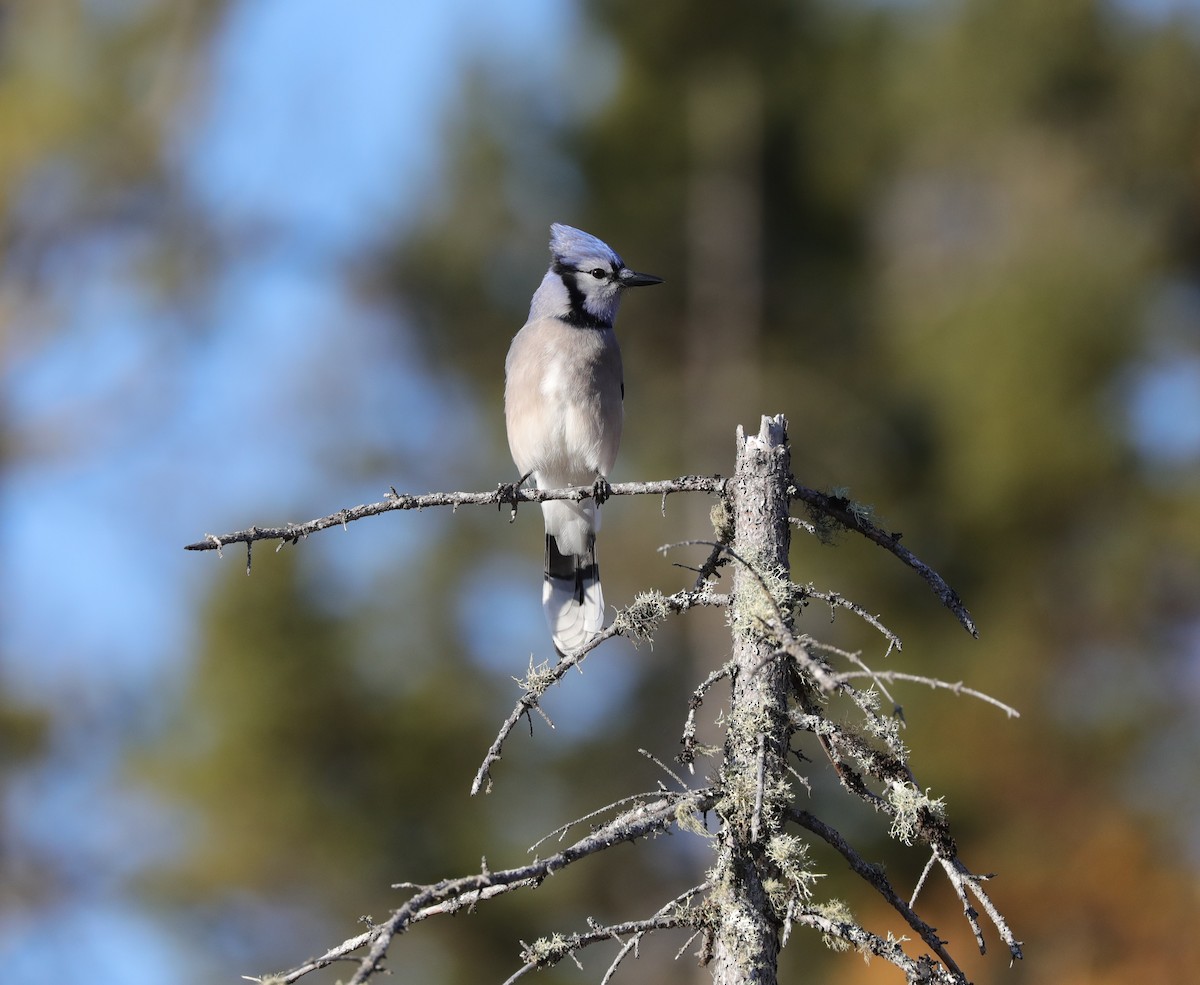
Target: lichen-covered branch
[[915, 816], [877, 877], [916, 970], [449, 895], [636, 621], [545, 952]]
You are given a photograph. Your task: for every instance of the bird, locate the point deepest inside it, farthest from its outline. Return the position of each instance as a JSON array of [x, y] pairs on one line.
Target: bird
[[564, 394]]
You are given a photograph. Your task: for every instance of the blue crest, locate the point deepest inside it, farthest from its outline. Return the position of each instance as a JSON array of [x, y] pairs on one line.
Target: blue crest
[[572, 247]]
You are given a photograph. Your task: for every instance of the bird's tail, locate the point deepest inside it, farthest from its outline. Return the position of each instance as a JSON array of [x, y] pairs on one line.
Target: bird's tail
[[571, 595]]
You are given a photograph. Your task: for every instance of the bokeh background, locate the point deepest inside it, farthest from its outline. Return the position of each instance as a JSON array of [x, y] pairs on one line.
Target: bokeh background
[[262, 260]]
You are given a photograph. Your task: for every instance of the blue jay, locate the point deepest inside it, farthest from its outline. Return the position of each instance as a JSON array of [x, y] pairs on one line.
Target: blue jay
[[563, 394]]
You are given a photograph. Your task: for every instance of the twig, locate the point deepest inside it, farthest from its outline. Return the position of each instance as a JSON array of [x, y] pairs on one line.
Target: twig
[[857, 660], [669, 916], [835, 600], [545, 954], [562, 829], [632, 943], [957, 687], [840, 509], [688, 754], [537, 686], [912, 900], [962, 879], [664, 767]]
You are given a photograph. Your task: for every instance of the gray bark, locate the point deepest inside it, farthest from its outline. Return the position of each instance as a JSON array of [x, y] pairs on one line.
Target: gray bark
[[747, 941]]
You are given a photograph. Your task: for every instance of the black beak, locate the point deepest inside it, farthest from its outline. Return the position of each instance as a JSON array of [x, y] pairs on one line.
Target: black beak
[[631, 278]]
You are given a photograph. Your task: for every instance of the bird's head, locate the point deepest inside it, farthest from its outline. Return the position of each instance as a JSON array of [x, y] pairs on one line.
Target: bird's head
[[586, 278]]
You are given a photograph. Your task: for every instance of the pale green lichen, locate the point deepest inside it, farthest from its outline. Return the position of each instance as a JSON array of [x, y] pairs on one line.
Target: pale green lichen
[[883, 727], [868, 700], [547, 950], [638, 620], [721, 517], [537, 678], [763, 595], [909, 803], [827, 527], [837, 912], [692, 821], [789, 855]]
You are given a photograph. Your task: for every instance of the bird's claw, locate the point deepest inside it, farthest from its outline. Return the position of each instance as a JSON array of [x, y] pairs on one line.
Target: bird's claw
[[508, 492], [601, 490]]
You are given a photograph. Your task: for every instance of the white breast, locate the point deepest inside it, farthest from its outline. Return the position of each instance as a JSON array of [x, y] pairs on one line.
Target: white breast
[[564, 402]]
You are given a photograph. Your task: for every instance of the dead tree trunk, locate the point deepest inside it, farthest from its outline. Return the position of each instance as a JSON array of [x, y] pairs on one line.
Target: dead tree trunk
[[785, 686], [747, 939]]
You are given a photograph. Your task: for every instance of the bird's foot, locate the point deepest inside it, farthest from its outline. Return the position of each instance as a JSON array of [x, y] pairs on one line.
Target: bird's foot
[[601, 490], [510, 492]]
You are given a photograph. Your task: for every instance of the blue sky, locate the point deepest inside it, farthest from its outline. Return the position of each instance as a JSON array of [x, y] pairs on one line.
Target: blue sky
[[322, 123], [325, 129]]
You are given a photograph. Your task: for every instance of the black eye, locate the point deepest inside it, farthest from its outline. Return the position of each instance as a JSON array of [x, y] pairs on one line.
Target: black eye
[[599, 273]]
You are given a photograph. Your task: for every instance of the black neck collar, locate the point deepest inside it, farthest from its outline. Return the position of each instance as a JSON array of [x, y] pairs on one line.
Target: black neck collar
[[578, 316]]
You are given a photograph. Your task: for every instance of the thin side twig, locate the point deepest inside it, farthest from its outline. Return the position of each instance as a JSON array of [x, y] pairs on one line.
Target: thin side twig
[[962, 880], [836, 600], [957, 687], [561, 831], [687, 755], [631, 944], [545, 954]]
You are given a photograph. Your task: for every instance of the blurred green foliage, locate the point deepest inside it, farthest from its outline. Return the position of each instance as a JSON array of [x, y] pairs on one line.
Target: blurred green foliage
[[929, 233]]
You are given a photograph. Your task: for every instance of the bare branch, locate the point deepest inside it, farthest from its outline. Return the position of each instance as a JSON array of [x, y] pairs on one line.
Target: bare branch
[[957, 687], [835, 600], [664, 767], [293, 532], [840, 509], [962, 880], [912, 900], [562, 829], [690, 746]]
